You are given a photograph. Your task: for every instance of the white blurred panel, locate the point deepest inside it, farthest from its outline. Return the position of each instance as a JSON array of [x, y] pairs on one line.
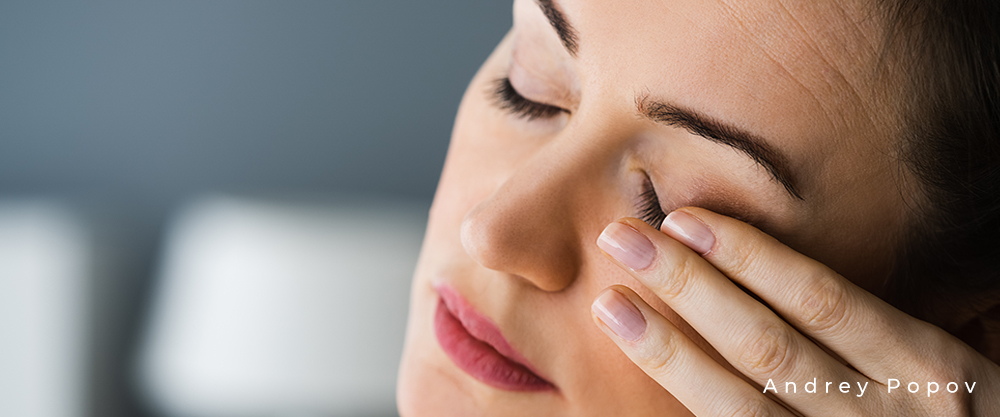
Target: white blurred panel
[[43, 278], [271, 309]]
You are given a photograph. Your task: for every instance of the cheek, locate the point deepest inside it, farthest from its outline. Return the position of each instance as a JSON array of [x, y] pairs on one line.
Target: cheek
[[478, 147]]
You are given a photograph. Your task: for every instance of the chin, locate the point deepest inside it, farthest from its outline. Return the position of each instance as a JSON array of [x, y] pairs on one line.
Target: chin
[[426, 397]]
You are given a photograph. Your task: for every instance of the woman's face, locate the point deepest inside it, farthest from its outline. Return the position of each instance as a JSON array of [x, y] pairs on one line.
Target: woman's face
[[762, 110]]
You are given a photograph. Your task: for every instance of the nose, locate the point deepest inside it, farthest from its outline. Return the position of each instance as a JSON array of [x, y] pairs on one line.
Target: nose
[[528, 226]]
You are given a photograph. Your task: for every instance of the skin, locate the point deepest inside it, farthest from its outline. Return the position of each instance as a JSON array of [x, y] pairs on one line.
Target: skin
[[855, 348], [521, 202]]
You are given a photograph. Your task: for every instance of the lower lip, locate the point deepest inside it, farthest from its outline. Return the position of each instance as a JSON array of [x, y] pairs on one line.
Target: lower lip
[[479, 359]]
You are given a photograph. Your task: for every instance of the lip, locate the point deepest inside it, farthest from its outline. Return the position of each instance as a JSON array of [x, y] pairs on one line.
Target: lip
[[477, 346]]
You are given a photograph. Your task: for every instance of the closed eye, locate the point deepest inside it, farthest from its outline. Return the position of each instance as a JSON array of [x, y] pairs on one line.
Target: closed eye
[[507, 98], [648, 205]]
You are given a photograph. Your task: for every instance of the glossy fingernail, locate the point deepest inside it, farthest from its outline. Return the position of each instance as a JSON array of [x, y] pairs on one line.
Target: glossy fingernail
[[619, 314], [690, 231], [627, 245]]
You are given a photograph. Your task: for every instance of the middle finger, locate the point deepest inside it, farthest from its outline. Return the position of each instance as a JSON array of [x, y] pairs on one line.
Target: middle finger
[[750, 336]]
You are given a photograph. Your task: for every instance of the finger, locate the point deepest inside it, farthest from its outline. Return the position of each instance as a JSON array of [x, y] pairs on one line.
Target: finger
[[675, 362], [751, 337], [855, 324]]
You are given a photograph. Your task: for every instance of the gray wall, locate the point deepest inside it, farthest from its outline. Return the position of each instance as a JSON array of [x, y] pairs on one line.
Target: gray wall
[[164, 99], [126, 109]]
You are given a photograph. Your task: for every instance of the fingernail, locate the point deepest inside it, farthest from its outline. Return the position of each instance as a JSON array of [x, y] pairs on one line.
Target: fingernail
[[627, 245], [690, 231], [619, 314]]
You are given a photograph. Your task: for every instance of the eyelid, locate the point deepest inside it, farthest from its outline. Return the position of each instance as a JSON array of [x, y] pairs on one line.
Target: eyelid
[[756, 148], [506, 97], [541, 87], [538, 53]]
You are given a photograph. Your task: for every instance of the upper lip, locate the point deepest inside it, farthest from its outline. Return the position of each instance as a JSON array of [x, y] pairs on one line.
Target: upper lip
[[479, 325]]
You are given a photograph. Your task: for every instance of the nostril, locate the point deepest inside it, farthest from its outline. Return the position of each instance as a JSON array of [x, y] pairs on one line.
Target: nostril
[[500, 242], [524, 230]]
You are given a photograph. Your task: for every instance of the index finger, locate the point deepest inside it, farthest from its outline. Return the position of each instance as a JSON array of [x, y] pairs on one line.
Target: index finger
[[813, 298]]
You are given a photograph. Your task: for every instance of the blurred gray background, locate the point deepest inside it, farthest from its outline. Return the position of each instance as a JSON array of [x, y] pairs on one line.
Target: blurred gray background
[[124, 110]]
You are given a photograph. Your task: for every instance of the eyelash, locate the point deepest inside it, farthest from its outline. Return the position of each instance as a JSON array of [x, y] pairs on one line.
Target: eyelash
[[507, 98], [649, 206]]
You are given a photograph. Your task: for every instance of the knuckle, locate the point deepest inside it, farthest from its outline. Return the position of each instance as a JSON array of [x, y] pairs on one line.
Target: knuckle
[[940, 372], [749, 407], [770, 353], [959, 404], [939, 357], [675, 281], [744, 259], [824, 307], [662, 357], [954, 360]]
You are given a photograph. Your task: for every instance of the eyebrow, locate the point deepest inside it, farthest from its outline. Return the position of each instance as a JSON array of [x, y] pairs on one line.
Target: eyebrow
[[558, 21], [695, 123], [751, 145]]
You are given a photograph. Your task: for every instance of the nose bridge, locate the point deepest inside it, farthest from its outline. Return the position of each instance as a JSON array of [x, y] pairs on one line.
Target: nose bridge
[[527, 227]]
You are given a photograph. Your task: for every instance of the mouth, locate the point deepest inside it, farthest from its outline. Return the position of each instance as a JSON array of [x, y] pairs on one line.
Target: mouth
[[477, 346]]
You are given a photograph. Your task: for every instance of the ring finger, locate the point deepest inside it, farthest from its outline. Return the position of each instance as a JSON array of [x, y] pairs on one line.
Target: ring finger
[[675, 361]]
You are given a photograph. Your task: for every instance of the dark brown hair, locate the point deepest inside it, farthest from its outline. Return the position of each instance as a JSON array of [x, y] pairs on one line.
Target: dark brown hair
[[949, 270]]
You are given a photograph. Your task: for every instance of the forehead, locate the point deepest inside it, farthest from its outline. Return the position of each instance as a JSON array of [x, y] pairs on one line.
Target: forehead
[[797, 72]]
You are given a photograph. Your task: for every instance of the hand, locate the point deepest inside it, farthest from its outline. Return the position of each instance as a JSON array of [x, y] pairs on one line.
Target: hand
[[694, 264]]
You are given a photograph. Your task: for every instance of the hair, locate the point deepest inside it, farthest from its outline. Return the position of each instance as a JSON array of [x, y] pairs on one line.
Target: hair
[[948, 272]]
